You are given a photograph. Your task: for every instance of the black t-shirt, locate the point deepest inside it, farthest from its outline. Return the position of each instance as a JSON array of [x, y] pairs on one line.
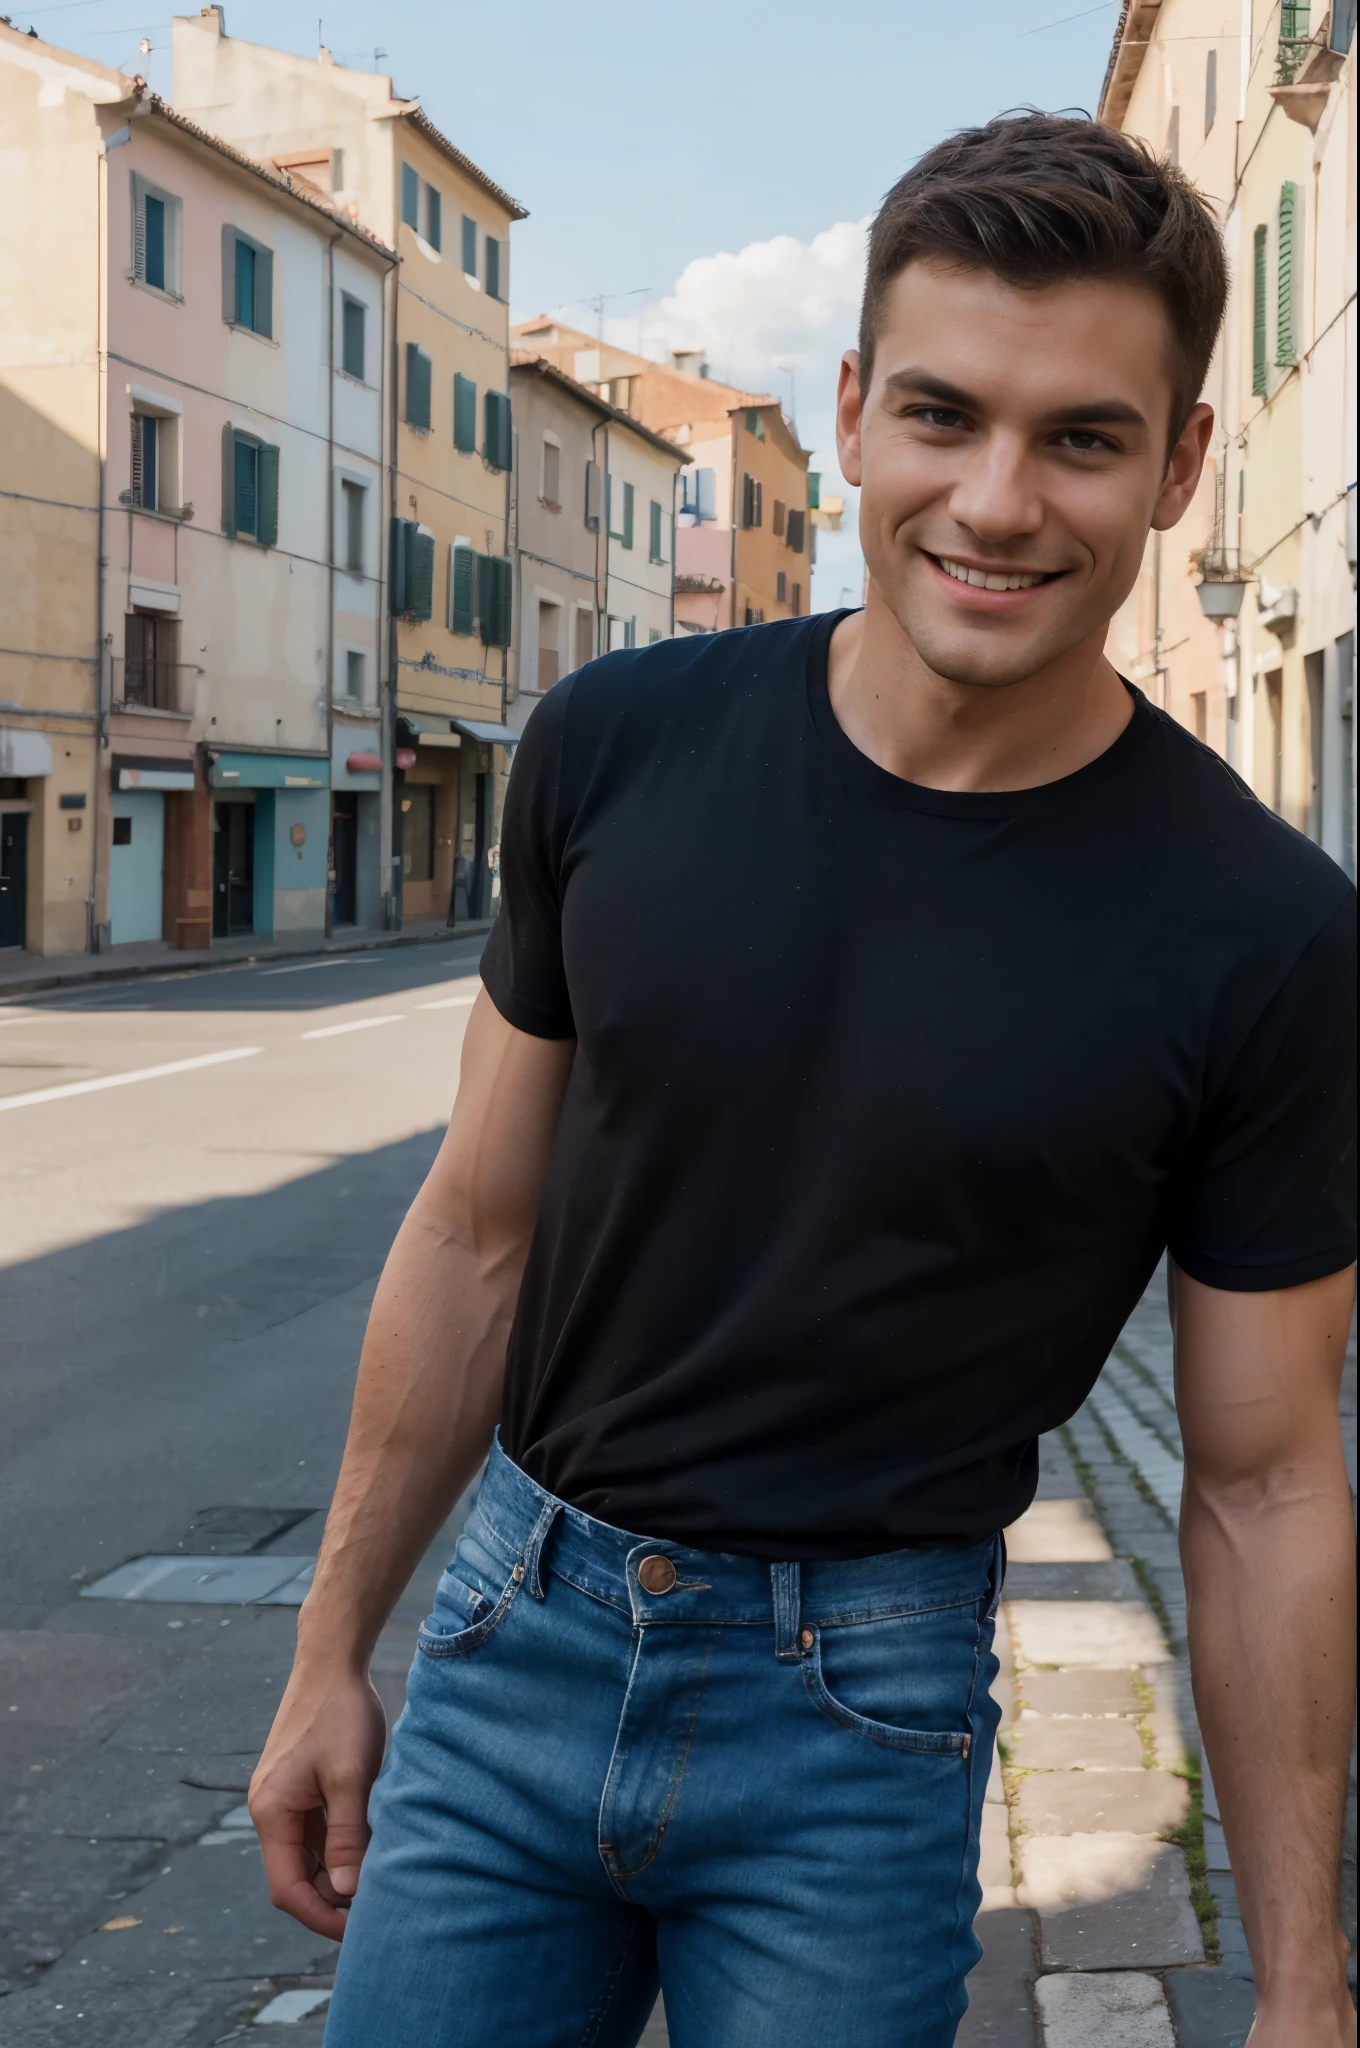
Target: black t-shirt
[[886, 1099]]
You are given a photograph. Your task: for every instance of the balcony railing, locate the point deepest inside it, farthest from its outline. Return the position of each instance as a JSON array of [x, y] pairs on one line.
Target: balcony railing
[[150, 683]]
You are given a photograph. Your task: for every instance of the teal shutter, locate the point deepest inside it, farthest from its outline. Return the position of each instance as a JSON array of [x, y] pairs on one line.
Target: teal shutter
[[419, 377], [493, 267], [654, 542], [1258, 312], [627, 535], [263, 322], [135, 474], [153, 241], [434, 218], [229, 480], [486, 598], [247, 484], [396, 574], [267, 489], [352, 338], [496, 445], [463, 577], [410, 197], [505, 604], [229, 276], [419, 572], [464, 414], [469, 247], [1286, 347]]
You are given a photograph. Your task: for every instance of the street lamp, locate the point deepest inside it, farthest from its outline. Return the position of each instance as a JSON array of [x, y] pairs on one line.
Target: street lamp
[[1220, 597]]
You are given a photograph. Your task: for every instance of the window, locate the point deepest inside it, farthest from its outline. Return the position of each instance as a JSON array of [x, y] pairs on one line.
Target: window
[[469, 247], [356, 676], [417, 832], [1199, 714], [752, 500], [549, 661], [1270, 745], [794, 529], [410, 197], [464, 414], [493, 599], [247, 283], [250, 487], [496, 442], [1258, 312], [493, 267], [434, 218], [150, 660], [654, 548], [352, 525], [622, 633], [621, 510], [155, 236], [419, 380], [411, 584], [552, 474], [699, 494], [462, 588], [352, 318], [146, 468], [781, 588], [755, 423], [653, 636], [1210, 90], [754, 615], [1286, 341], [1173, 137], [122, 831], [796, 600], [777, 523], [585, 638], [594, 492]]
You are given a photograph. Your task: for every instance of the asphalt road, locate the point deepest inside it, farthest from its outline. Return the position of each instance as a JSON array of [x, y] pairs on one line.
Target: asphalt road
[[199, 1180]]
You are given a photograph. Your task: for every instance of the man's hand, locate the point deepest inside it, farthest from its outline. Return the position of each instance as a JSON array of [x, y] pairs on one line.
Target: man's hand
[[309, 1794]]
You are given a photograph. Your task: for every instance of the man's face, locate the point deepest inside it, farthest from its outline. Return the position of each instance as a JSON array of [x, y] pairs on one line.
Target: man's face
[[1011, 455]]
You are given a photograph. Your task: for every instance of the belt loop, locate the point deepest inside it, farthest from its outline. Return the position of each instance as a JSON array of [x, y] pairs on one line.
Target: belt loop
[[533, 1549], [786, 1583]]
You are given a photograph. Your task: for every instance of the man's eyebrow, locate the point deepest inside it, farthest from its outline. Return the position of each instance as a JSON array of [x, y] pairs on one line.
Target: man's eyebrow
[[1095, 412]]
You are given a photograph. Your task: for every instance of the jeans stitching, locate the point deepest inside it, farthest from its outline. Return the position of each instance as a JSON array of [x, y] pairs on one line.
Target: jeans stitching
[[942, 1743], [673, 1789], [611, 1984]]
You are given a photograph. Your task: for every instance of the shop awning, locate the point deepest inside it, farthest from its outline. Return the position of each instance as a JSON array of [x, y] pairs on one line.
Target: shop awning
[[150, 771], [269, 771], [485, 734]]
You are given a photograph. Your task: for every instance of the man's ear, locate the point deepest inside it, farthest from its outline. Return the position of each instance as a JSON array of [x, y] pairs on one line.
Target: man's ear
[[849, 407], [1183, 471]]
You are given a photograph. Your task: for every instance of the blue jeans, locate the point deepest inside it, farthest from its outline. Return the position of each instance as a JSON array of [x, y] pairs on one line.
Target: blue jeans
[[624, 1765]]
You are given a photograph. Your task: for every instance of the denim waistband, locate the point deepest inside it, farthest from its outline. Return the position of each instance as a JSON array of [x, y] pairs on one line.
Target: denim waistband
[[658, 1581]]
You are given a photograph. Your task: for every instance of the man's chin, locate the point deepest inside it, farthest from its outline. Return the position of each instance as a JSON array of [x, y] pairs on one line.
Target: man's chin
[[995, 655]]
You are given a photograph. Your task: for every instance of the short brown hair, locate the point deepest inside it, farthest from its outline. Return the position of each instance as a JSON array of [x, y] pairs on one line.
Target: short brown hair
[[1044, 199]]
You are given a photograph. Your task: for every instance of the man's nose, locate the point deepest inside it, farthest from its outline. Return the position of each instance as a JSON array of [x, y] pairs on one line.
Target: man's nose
[[996, 495]]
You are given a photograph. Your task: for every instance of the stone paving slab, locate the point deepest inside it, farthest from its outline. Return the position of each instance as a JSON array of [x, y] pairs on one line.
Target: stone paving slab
[[1124, 2009], [1109, 1901], [1058, 1531], [1109, 1579], [1076, 1803], [112, 1793], [1211, 2008], [1088, 1690], [1000, 1991], [1045, 1743], [54, 1889], [165, 2015], [1104, 1632]]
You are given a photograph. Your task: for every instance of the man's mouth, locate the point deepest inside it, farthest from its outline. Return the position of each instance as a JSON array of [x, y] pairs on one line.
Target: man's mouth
[[994, 579]]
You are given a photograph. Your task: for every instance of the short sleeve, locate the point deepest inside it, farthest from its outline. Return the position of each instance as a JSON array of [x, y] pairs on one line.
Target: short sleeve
[[1266, 1195], [522, 965]]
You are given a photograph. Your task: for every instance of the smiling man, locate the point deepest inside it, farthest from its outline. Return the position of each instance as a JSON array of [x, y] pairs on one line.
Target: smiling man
[[875, 998]]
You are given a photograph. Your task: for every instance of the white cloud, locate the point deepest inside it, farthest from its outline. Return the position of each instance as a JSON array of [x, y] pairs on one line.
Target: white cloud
[[772, 308]]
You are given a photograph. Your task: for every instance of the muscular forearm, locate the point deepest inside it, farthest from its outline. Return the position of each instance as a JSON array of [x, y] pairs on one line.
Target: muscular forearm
[[1269, 1567]]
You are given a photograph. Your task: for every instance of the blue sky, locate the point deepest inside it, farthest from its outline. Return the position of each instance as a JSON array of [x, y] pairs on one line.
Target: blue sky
[[644, 139]]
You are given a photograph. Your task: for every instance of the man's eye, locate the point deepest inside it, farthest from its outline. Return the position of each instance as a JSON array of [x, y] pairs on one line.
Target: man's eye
[[1086, 441], [938, 416]]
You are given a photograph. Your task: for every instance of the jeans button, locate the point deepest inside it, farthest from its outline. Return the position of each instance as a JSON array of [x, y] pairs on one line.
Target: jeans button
[[656, 1575]]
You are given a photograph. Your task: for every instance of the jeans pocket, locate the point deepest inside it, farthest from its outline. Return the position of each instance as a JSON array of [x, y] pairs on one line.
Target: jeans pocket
[[905, 1683], [473, 1600]]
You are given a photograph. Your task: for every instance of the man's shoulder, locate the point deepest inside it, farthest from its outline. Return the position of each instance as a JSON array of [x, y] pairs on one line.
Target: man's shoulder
[[643, 688]]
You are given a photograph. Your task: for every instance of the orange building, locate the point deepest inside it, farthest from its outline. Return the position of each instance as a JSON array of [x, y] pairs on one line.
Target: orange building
[[744, 540]]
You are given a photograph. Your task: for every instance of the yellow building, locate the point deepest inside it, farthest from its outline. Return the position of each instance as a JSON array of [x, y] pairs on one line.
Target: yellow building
[[448, 594], [1261, 115]]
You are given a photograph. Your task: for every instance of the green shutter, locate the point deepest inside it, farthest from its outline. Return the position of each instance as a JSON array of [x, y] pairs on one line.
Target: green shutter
[[505, 606], [229, 480], [264, 291], [464, 414], [486, 598], [352, 338], [655, 535], [396, 575], [267, 487], [419, 572], [229, 276], [434, 218], [1286, 347], [410, 197], [463, 578], [493, 267], [247, 485], [418, 382], [469, 247], [496, 446], [627, 535], [1258, 312]]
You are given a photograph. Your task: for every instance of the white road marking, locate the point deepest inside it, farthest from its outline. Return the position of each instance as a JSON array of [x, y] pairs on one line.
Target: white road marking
[[356, 1024], [309, 966], [204, 1059], [449, 1003], [18, 1020]]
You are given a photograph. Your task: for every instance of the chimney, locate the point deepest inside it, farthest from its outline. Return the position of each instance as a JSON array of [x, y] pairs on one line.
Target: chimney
[[690, 362], [214, 20]]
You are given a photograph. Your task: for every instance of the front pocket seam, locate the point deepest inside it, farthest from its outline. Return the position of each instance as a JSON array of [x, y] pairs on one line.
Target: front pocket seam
[[467, 1639], [914, 1741]]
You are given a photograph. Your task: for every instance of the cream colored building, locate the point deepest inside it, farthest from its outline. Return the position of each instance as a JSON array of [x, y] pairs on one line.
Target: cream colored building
[[1260, 112], [380, 160]]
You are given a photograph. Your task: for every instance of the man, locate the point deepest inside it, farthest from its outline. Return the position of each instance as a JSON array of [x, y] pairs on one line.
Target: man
[[874, 997]]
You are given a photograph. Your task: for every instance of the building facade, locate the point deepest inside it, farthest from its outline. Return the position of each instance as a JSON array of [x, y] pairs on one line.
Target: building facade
[[1260, 662], [744, 541], [448, 572], [232, 565]]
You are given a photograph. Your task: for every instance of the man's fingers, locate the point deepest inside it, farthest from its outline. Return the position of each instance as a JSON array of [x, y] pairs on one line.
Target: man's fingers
[[289, 1869], [346, 1840]]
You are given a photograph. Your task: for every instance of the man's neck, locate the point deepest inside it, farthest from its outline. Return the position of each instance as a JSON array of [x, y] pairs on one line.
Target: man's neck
[[967, 736]]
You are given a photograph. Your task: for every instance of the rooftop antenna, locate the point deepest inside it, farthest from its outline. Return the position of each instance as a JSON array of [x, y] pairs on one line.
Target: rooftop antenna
[[379, 57]]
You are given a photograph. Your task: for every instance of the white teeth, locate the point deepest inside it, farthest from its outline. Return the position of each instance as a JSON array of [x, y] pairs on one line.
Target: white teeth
[[981, 579]]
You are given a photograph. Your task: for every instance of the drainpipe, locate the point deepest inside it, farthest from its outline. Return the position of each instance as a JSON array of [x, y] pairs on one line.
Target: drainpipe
[[1157, 668], [732, 591], [93, 933], [601, 535], [330, 561], [387, 692]]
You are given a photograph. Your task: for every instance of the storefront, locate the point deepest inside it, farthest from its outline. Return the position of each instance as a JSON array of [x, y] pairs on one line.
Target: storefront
[[356, 824], [139, 786], [271, 835], [447, 818]]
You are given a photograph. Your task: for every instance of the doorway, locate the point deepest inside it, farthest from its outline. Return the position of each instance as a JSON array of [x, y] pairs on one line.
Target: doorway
[[233, 869], [136, 866], [13, 878], [1270, 762], [344, 858]]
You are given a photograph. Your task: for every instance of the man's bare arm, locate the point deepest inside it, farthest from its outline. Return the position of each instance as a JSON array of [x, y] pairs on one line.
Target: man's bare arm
[[1267, 1541], [427, 1400]]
